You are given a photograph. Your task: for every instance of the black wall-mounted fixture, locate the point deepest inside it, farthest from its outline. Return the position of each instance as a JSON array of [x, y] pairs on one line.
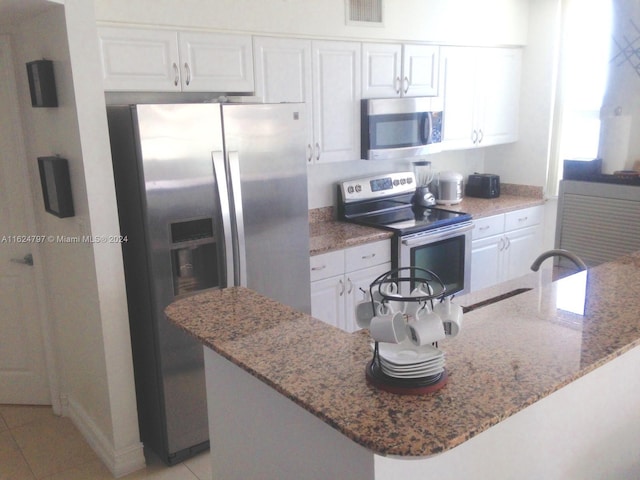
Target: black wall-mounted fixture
[[56, 186], [42, 84]]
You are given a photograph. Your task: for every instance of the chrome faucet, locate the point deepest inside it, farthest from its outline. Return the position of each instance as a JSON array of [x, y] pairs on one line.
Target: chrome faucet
[[558, 252]]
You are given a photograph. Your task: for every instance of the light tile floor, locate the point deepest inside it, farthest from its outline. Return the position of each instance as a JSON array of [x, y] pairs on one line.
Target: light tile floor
[[35, 444]]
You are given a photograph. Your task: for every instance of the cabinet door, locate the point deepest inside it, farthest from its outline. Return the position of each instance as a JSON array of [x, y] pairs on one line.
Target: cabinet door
[[381, 70], [216, 62], [336, 101], [459, 97], [486, 262], [328, 300], [282, 68], [522, 249], [139, 60], [420, 67], [498, 96], [357, 284]]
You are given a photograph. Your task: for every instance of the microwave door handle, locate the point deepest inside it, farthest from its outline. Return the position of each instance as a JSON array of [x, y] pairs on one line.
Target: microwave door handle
[[225, 210], [236, 194], [427, 128]]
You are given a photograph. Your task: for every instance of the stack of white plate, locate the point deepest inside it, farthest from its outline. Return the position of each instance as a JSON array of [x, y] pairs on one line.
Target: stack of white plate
[[405, 360]]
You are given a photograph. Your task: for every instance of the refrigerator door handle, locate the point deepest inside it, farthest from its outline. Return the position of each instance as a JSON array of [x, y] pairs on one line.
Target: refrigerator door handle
[[236, 192], [221, 181]]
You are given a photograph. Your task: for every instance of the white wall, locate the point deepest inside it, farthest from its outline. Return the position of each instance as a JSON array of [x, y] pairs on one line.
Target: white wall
[[86, 299], [525, 162], [442, 21]]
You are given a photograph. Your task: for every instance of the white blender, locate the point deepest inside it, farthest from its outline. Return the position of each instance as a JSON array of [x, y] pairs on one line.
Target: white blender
[[424, 176]]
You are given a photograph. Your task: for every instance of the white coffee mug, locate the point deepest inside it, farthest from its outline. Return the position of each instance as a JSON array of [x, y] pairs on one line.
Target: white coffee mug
[[365, 311], [426, 330], [451, 315], [390, 328]]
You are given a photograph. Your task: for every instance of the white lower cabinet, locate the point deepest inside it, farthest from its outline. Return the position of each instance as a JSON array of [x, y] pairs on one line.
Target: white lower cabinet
[[504, 246], [340, 279]]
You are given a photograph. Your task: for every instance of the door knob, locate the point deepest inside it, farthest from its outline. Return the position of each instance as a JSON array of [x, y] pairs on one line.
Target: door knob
[[26, 260]]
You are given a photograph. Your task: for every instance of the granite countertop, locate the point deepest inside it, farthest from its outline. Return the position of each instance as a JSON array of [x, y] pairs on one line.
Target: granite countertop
[[507, 356], [327, 234]]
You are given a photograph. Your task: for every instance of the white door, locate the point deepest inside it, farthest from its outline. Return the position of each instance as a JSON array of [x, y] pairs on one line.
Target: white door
[[327, 300], [282, 69], [23, 373], [420, 67], [336, 100], [381, 69]]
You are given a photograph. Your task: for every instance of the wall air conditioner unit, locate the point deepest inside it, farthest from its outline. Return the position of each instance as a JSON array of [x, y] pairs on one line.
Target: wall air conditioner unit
[[364, 13]]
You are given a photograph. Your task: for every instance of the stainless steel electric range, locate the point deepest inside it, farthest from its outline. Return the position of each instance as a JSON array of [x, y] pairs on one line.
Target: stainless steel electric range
[[435, 239]]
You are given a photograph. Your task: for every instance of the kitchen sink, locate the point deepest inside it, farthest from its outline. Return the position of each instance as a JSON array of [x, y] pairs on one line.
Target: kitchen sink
[[498, 298]]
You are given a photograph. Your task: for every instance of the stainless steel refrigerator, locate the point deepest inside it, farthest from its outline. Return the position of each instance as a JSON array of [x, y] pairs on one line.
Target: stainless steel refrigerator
[[209, 196]]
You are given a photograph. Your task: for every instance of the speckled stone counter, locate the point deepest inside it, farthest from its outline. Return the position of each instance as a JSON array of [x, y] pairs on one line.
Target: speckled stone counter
[[508, 355], [327, 234]]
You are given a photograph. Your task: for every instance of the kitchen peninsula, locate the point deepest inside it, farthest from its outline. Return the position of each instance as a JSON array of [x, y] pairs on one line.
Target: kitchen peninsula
[[543, 384]]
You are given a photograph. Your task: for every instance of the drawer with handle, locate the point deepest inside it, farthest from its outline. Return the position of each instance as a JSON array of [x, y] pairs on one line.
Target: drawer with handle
[[327, 265], [488, 226], [367, 255], [525, 217]]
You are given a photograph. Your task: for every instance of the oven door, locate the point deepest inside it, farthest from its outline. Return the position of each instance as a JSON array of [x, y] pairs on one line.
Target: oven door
[[445, 251]]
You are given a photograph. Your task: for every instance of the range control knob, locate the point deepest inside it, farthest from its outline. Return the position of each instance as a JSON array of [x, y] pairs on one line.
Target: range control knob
[[409, 180], [358, 188]]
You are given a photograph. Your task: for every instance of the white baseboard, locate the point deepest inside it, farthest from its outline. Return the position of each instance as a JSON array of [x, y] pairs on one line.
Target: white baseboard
[[121, 461]]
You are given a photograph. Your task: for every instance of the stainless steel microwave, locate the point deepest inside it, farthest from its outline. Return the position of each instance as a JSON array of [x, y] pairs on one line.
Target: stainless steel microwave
[[402, 127]]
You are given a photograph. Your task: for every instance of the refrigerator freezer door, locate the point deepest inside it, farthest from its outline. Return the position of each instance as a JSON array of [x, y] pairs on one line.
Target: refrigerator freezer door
[[271, 162]]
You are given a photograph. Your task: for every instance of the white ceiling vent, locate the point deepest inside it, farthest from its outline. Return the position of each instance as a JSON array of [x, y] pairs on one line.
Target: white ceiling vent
[[364, 12]]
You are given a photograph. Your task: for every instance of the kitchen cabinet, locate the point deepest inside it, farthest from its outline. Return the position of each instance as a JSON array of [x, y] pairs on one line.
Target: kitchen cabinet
[[340, 279], [504, 246], [390, 70], [481, 90], [171, 61], [326, 76]]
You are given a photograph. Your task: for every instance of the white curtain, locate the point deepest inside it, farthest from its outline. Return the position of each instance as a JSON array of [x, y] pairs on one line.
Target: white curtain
[[583, 59]]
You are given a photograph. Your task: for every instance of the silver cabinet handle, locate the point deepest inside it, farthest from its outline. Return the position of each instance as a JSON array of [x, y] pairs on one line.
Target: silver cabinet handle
[[317, 151], [318, 268], [368, 257], [310, 150], [188, 70], [396, 85], [26, 260], [485, 227], [406, 83], [350, 286], [176, 74], [341, 287], [523, 219], [223, 198], [480, 136]]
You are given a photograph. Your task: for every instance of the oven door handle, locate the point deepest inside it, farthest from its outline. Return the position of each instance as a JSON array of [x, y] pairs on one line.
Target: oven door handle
[[434, 236]]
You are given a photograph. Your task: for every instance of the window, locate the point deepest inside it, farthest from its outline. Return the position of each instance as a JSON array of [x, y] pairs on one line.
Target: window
[[582, 79]]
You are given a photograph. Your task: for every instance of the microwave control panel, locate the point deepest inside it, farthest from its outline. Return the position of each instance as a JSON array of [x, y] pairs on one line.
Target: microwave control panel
[[378, 186]]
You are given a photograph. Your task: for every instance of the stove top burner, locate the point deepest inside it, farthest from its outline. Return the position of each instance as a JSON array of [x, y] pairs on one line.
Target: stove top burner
[[385, 201], [410, 219]]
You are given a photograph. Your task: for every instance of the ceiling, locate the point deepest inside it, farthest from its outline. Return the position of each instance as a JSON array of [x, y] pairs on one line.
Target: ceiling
[[14, 11]]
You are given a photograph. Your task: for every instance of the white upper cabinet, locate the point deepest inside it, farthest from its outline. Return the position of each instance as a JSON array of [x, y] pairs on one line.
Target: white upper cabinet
[[390, 70], [166, 61], [213, 62], [336, 101], [326, 76], [481, 96], [282, 69]]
